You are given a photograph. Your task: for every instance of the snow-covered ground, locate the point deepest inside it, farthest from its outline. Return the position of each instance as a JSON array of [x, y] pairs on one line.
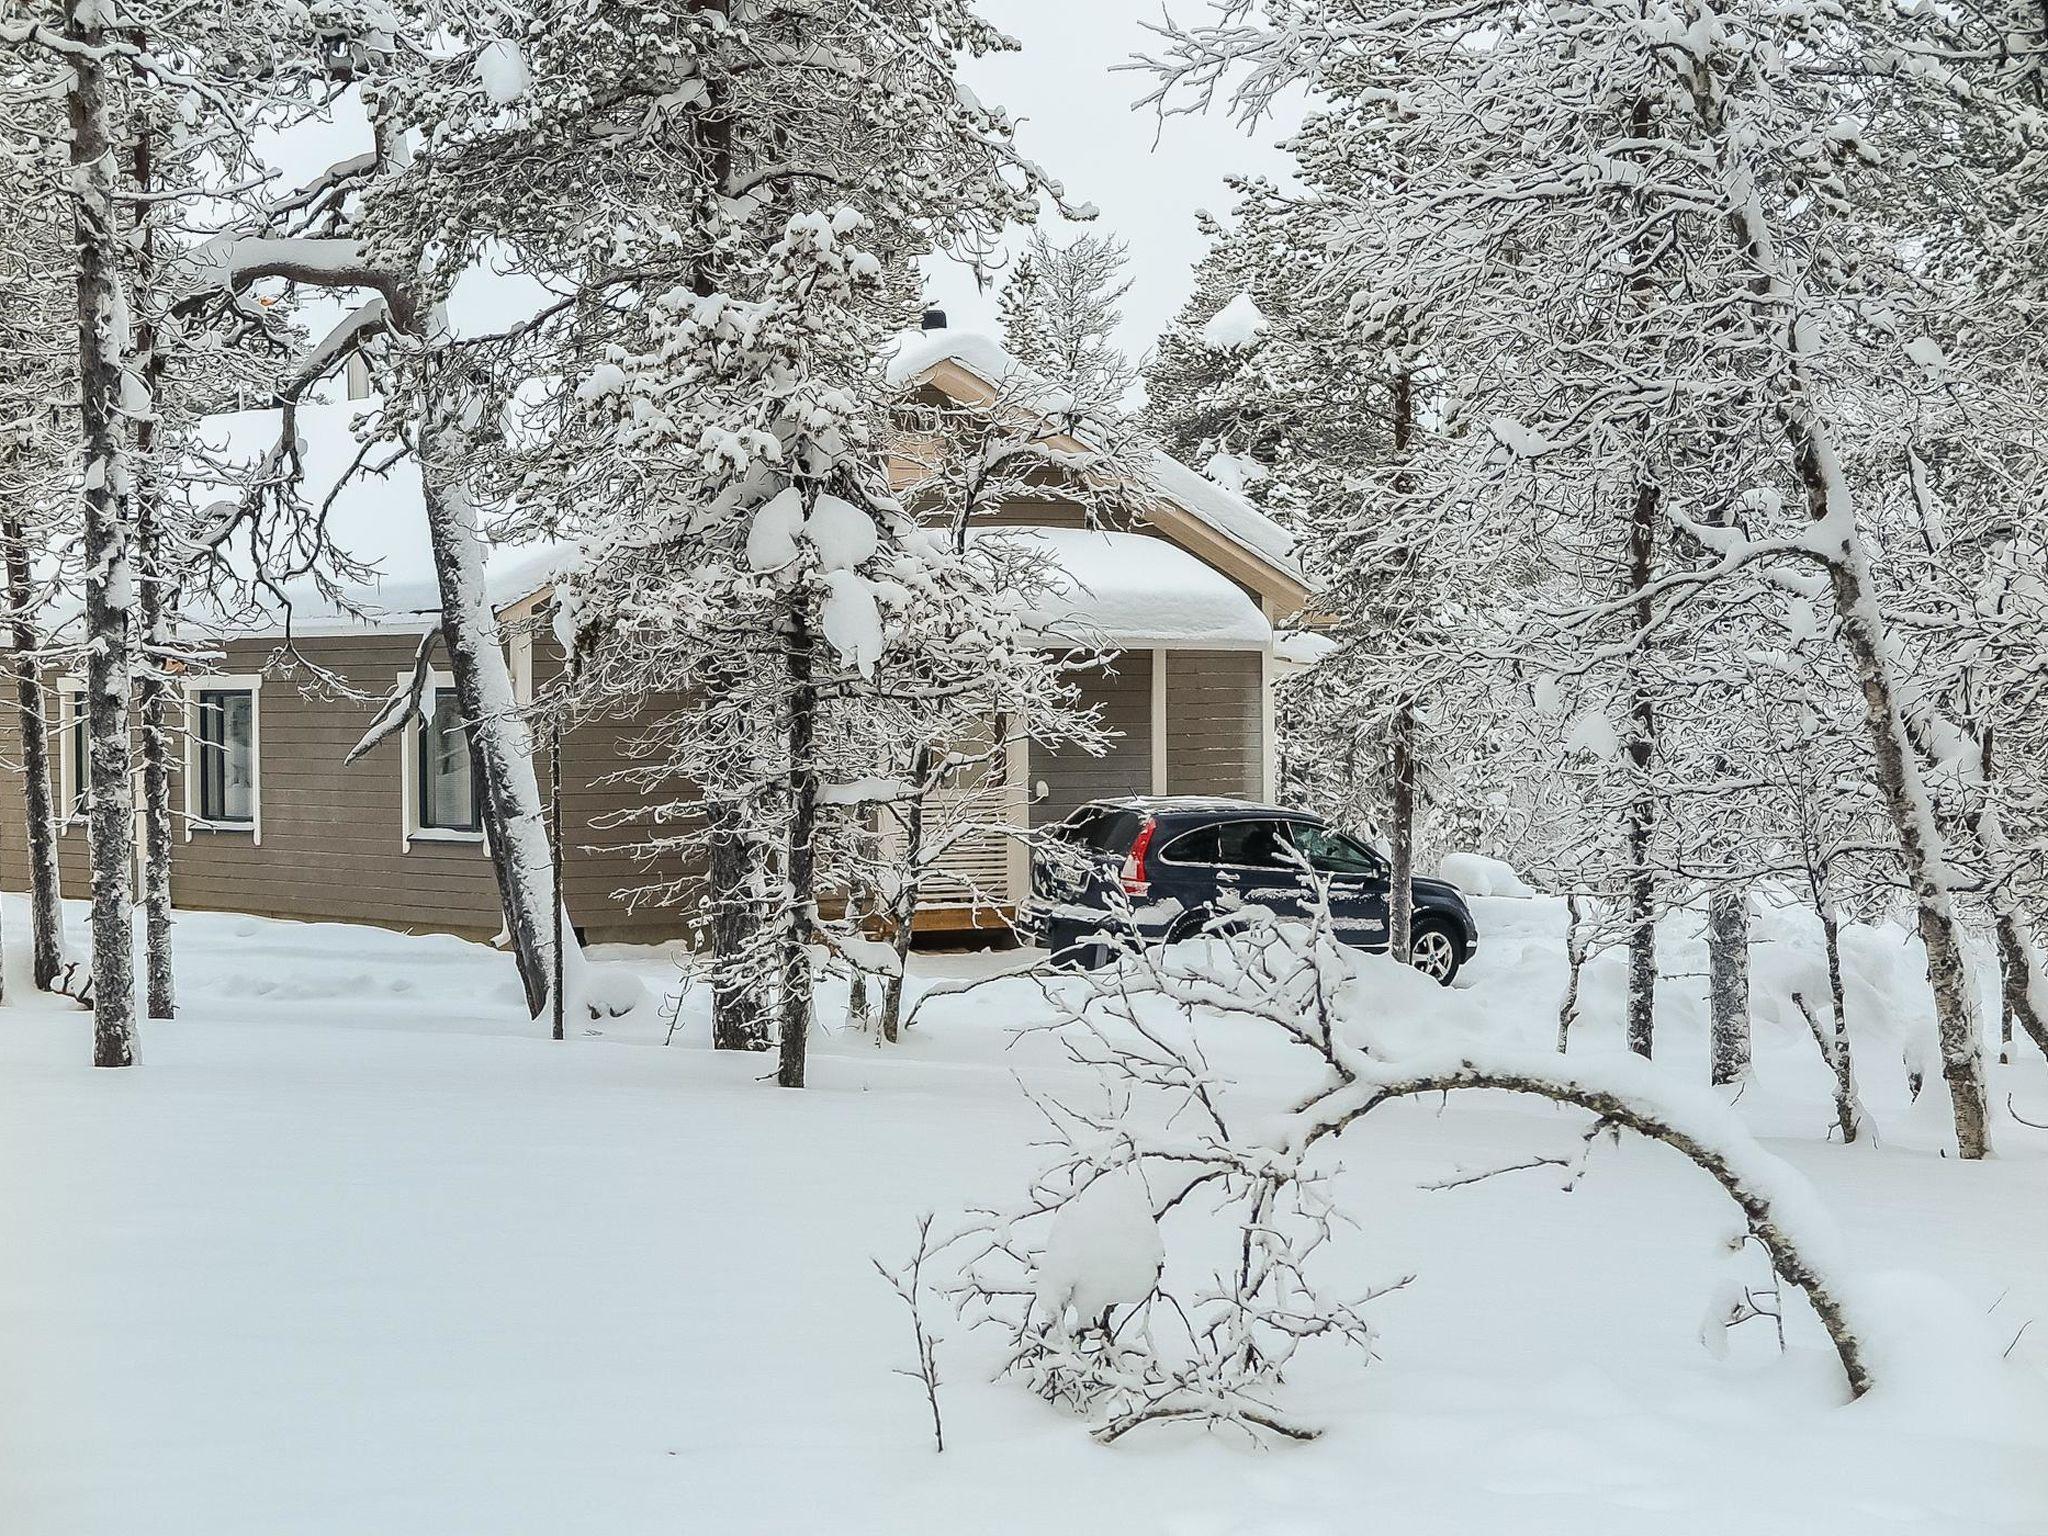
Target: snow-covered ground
[[354, 1251]]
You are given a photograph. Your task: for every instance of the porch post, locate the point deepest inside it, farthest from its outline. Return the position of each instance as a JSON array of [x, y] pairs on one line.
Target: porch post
[[1158, 720], [1269, 741], [1017, 804]]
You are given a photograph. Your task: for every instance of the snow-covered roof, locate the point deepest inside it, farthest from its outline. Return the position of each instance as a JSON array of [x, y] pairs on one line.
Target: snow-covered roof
[[1303, 647], [1223, 510], [918, 352], [1126, 587], [1130, 590], [378, 517]]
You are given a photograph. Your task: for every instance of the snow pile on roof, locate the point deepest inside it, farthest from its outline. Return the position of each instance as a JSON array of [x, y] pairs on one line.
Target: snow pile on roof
[[918, 352], [377, 517], [1237, 324], [1303, 647], [1225, 511], [1234, 471], [1130, 589]]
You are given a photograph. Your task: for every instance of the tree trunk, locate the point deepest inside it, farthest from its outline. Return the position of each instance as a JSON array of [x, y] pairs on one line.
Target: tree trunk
[[109, 575], [2022, 989], [1838, 542], [1401, 838], [799, 897], [1920, 842], [154, 696], [558, 1003], [508, 791], [2023, 992], [1575, 963], [154, 691], [903, 909], [1641, 822], [739, 987], [1848, 1113], [39, 801], [1728, 981]]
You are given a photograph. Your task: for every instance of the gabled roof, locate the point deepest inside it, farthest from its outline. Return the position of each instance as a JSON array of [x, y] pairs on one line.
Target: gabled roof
[[1209, 519]]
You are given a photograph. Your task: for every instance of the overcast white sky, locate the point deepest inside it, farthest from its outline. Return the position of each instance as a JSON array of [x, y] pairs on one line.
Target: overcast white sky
[[1076, 119]]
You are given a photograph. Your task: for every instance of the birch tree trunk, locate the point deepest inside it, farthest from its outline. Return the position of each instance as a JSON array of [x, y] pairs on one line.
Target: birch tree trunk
[[799, 896], [1575, 951], [109, 575], [39, 801], [1847, 1111], [508, 791], [1838, 542], [2022, 989], [1641, 821], [2023, 992], [903, 908], [1728, 982]]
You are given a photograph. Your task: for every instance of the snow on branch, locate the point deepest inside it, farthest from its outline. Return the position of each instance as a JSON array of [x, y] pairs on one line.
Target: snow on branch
[[1091, 1278]]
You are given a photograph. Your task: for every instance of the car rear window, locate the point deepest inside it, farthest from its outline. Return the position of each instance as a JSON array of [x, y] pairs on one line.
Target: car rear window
[[1100, 829]]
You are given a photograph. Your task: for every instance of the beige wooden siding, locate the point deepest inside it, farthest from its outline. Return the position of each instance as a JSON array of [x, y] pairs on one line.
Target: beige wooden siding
[[601, 871], [332, 846], [1214, 720], [1071, 776]]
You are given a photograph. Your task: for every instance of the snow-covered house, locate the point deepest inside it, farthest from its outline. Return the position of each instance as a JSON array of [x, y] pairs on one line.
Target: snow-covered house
[[272, 821]]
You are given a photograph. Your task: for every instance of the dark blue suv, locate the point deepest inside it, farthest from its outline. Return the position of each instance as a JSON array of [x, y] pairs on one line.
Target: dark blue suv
[[1162, 869]]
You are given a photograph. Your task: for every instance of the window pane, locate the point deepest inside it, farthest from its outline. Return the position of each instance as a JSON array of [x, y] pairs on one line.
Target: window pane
[[227, 756], [1196, 847], [1254, 844], [81, 755], [447, 797], [1332, 853]]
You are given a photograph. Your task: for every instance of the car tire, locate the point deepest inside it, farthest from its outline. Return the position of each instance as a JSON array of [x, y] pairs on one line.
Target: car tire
[[1433, 950]]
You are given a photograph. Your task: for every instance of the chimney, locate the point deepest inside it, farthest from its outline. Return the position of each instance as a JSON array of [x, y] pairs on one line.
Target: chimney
[[935, 319]]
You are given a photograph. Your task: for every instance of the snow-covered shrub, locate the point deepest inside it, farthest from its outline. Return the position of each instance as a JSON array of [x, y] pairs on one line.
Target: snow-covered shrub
[[1105, 1276]]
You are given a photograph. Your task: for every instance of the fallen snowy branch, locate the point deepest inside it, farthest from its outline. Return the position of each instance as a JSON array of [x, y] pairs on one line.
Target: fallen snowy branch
[[1080, 1276]]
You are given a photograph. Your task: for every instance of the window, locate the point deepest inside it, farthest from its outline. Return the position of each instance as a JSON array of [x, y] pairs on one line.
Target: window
[[1239, 844], [227, 756], [1332, 853], [447, 786], [224, 754], [81, 757]]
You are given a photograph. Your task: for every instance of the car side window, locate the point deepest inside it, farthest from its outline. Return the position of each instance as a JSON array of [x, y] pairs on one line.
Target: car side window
[[1254, 845], [1244, 844], [1196, 847], [1332, 853]]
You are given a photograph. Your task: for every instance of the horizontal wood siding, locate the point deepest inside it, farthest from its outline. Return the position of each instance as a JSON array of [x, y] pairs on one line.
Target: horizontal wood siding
[[601, 872], [1214, 722], [333, 846], [1071, 776]]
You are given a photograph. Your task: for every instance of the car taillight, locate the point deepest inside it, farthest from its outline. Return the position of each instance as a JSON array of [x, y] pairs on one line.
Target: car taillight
[[1133, 876]]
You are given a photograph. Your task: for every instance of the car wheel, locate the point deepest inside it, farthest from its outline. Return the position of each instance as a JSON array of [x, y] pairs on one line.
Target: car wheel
[[1434, 953]]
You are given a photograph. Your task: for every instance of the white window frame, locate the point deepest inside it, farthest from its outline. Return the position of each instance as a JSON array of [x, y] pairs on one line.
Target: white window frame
[[409, 769], [250, 683], [70, 694]]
